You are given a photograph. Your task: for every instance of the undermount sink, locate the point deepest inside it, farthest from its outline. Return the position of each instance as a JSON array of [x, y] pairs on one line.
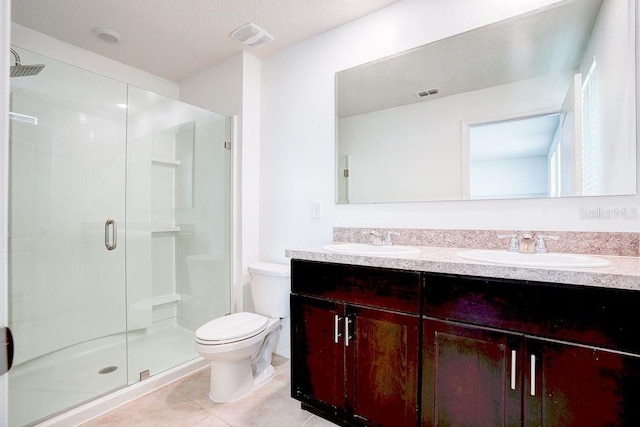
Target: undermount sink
[[559, 260], [365, 249]]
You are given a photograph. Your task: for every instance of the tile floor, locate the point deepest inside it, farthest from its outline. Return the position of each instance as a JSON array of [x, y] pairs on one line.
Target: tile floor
[[186, 403]]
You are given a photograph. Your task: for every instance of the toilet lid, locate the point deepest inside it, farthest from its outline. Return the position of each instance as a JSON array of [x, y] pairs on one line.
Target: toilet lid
[[232, 327]]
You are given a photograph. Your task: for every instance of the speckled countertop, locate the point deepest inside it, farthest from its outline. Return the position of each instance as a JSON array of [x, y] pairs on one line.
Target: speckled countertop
[[623, 273]]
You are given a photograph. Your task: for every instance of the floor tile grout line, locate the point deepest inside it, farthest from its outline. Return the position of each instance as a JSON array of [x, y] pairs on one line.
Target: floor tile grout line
[[308, 420]]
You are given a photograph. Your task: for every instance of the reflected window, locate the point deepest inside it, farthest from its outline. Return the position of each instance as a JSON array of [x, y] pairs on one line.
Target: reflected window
[[555, 172], [509, 158], [591, 155]]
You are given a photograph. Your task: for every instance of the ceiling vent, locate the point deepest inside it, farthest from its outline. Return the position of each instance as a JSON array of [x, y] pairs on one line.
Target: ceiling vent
[[251, 35], [424, 93]]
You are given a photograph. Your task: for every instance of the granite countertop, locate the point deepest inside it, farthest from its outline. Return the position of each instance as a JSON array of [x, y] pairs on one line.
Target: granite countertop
[[623, 273]]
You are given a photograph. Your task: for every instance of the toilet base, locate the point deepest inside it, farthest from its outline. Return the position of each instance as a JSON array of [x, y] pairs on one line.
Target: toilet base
[[233, 381], [264, 377], [230, 381]]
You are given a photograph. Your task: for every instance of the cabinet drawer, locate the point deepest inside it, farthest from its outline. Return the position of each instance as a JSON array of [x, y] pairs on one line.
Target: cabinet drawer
[[376, 287], [594, 316]]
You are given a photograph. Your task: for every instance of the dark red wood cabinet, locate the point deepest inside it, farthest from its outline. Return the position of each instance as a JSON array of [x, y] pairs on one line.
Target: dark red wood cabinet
[[579, 386], [467, 376], [318, 365], [356, 363], [475, 373], [386, 347]]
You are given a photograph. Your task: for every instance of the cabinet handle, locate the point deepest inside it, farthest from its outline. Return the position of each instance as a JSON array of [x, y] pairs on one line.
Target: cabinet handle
[[336, 328], [513, 369], [533, 375], [346, 331]]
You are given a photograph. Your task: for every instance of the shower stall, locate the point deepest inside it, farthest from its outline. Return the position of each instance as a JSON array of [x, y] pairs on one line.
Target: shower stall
[[119, 234]]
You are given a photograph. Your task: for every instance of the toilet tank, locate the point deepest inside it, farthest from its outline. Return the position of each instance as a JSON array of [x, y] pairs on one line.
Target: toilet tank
[[270, 288]]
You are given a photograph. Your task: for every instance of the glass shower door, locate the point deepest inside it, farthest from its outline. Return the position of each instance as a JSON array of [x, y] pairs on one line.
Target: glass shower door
[[66, 252], [178, 228]]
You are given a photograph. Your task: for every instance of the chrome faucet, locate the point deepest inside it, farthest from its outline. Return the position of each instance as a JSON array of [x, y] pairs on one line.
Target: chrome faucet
[[541, 245], [527, 243], [388, 241], [514, 244], [376, 239]]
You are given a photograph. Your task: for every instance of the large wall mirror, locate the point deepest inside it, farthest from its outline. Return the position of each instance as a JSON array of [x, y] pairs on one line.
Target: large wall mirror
[[540, 105]]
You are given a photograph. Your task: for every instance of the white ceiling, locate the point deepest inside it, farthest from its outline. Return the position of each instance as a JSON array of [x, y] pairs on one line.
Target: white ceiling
[[538, 44], [520, 138], [176, 39]]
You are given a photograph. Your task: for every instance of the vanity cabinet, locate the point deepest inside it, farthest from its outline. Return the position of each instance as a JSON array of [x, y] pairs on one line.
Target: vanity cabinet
[[355, 340], [387, 347], [515, 353]]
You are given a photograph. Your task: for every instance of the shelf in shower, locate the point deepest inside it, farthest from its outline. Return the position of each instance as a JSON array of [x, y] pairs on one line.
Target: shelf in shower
[[165, 162], [164, 228], [164, 299]]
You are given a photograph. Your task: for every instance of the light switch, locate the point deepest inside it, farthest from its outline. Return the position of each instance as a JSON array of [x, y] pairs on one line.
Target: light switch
[[316, 209]]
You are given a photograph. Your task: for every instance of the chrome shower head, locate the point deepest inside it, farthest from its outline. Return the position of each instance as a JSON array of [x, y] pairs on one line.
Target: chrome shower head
[[20, 70]]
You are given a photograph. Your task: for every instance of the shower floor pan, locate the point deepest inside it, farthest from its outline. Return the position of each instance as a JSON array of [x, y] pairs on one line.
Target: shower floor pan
[[71, 376]]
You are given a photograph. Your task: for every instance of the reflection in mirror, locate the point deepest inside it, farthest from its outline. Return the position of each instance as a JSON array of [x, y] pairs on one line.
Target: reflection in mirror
[[499, 152], [439, 122]]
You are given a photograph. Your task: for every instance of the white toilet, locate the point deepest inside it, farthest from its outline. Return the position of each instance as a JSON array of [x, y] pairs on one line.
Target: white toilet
[[239, 345]]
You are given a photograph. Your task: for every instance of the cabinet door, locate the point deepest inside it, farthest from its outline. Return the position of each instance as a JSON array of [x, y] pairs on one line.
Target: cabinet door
[[580, 386], [470, 376], [317, 368], [382, 366]]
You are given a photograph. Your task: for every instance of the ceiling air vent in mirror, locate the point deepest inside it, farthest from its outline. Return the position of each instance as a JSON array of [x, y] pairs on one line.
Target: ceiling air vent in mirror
[[424, 93]]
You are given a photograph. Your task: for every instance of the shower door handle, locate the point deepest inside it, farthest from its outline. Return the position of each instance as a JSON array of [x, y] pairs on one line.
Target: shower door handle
[[110, 234]]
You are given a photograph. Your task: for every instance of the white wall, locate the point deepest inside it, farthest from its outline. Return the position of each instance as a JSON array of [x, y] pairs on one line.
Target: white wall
[[233, 88], [298, 132], [218, 88], [517, 177]]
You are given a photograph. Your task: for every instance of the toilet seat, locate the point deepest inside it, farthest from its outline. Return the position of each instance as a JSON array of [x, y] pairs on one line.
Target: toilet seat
[[232, 328]]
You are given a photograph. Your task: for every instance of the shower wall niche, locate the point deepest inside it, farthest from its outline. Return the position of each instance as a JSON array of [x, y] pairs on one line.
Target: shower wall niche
[[162, 184], [171, 190]]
